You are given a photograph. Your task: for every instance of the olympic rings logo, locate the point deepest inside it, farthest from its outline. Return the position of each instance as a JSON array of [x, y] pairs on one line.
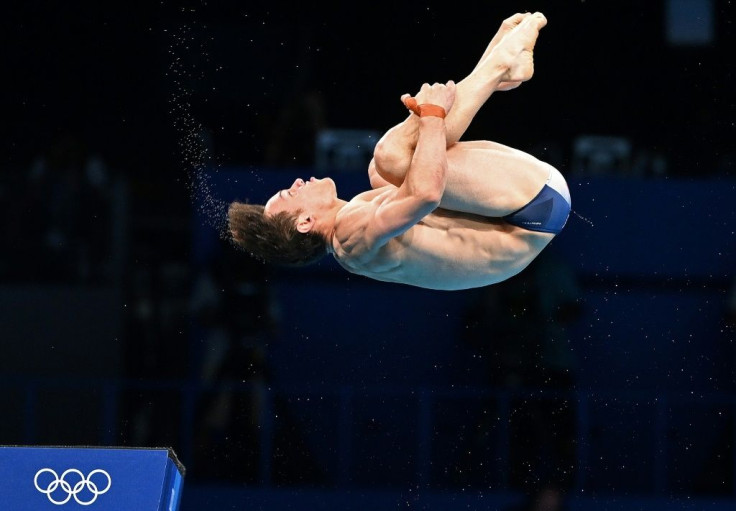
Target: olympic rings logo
[[59, 484]]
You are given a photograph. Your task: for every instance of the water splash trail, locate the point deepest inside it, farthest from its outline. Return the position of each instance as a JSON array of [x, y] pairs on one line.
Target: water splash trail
[[196, 157], [581, 217]]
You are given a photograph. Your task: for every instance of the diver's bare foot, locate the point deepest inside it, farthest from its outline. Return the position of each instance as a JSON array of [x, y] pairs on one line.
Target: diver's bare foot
[[516, 49], [507, 26]]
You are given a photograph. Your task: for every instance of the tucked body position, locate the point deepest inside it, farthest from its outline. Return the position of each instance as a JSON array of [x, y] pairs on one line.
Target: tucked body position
[[442, 213]]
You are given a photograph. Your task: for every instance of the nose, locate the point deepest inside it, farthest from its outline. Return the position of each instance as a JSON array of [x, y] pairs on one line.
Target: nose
[[298, 183]]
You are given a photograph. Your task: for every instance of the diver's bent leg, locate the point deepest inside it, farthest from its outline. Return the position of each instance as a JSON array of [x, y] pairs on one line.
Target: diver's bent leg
[[504, 61], [490, 179], [484, 178], [394, 151], [510, 61]]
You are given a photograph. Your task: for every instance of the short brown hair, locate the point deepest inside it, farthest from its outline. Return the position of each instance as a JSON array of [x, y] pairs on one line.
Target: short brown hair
[[273, 239]]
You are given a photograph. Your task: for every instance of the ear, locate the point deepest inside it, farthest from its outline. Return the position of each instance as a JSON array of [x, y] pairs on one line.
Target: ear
[[304, 223]]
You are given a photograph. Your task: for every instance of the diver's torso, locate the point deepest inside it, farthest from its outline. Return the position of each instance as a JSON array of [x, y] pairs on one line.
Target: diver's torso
[[449, 251]]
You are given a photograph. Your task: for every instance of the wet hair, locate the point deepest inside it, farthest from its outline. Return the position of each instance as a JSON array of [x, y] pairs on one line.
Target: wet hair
[[273, 239]]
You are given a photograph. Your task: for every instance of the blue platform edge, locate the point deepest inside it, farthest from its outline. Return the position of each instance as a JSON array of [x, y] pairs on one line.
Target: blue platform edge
[[36, 478]]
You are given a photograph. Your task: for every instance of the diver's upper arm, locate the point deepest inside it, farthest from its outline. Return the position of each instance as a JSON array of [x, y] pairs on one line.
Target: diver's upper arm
[[399, 213]]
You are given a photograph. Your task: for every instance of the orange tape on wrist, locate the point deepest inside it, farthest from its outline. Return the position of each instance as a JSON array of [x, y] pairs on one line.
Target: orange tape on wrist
[[425, 109]]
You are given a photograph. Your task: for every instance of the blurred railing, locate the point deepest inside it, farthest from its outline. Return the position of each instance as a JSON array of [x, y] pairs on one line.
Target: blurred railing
[[112, 392]]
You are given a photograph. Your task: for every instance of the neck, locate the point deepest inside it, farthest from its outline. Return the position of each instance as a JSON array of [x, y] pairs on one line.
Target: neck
[[326, 224]]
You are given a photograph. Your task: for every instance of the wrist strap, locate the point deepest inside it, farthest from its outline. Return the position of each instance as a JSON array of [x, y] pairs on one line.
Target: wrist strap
[[425, 109], [431, 110]]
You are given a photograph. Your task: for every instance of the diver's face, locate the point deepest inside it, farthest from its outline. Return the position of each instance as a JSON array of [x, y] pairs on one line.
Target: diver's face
[[307, 196]]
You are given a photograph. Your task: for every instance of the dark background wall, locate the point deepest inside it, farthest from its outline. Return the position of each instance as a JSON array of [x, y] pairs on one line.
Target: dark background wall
[[126, 128]]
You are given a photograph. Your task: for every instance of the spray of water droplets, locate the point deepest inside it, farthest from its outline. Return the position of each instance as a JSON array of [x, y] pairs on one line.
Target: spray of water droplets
[[581, 217], [196, 157]]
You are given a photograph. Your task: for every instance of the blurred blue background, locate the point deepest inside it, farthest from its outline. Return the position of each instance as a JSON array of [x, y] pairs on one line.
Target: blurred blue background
[[602, 377]]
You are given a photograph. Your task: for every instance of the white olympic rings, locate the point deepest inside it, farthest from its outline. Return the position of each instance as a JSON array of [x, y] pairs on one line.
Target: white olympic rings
[[72, 491]]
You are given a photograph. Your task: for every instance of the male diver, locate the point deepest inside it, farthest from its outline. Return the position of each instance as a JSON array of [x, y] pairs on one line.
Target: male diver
[[442, 214]]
